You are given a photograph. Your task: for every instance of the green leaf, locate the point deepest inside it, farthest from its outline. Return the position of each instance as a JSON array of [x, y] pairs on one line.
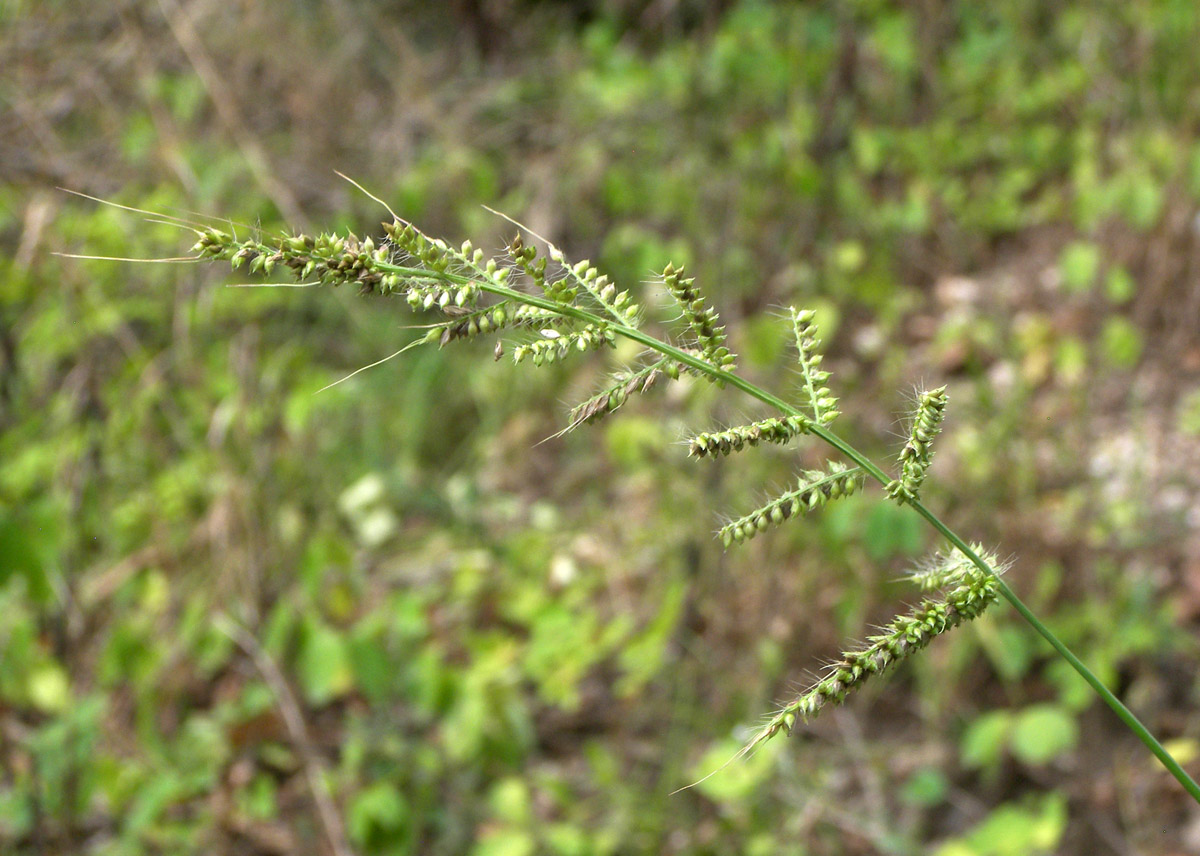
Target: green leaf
[[1121, 342], [1141, 200], [1015, 830], [505, 842], [1079, 264], [1071, 360], [1188, 414], [374, 670], [376, 814], [926, 787], [849, 256], [324, 664], [1119, 286], [1008, 648], [765, 338], [49, 688], [892, 531], [510, 801], [634, 441], [1043, 732], [984, 740], [22, 553]]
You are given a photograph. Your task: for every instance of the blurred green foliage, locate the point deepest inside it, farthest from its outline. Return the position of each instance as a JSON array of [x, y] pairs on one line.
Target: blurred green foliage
[[489, 646]]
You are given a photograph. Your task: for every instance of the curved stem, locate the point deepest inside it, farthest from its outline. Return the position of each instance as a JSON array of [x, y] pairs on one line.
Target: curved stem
[[721, 376]]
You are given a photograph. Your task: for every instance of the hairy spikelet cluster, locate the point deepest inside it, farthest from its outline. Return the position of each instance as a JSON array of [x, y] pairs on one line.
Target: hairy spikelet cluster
[[332, 259], [820, 399], [433, 276], [944, 569], [616, 394], [554, 345], [815, 488], [491, 319], [917, 453], [581, 276], [700, 317], [969, 591], [777, 429]]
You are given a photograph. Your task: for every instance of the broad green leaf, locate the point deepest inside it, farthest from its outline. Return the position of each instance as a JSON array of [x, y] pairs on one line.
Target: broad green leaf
[[1121, 342], [1079, 265], [984, 740], [1043, 732], [324, 664]]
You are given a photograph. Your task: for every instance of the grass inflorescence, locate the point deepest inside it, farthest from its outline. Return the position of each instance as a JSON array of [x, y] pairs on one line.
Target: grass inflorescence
[[968, 593], [434, 276], [545, 308], [917, 453], [815, 489]]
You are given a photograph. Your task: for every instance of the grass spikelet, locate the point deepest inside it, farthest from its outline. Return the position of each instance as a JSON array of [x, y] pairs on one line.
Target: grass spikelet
[[820, 399], [603, 293], [944, 569], [528, 261], [917, 453], [777, 429], [702, 318], [815, 489], [466, 324], [615, 395], [555, 345], [971, 593]]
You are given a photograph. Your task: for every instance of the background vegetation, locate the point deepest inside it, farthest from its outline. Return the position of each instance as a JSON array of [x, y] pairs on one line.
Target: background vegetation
[[240, 617]]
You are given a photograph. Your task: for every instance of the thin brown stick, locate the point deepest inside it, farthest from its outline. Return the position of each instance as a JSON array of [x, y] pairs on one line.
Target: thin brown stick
[[229, 113], [293, 721]]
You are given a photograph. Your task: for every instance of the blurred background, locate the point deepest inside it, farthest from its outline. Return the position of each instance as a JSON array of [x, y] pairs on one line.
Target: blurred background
[[240, 617]]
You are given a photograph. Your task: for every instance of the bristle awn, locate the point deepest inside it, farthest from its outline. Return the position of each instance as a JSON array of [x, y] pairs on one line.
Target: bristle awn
[[172, 223], [272, 285], [407, 347], [737, 756], [172, 260], [369, 195], [191, 223]]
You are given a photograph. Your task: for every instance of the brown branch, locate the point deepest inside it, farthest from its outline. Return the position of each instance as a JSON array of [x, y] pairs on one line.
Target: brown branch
[[230, 114], [293, 720]]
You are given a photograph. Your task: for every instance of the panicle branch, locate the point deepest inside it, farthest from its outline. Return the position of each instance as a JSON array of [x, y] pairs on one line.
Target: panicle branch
[[815, 488], [700, 317], [554, 345], [973, 591], [625, 384], [820, 399], [777, 429], [619, 306], [917, 453]]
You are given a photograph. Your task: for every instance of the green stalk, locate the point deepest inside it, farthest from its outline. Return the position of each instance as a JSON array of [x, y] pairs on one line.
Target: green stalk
[[721, 376]]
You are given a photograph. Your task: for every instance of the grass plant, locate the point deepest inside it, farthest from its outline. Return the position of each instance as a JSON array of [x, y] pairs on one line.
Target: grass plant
[[542, 308]]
